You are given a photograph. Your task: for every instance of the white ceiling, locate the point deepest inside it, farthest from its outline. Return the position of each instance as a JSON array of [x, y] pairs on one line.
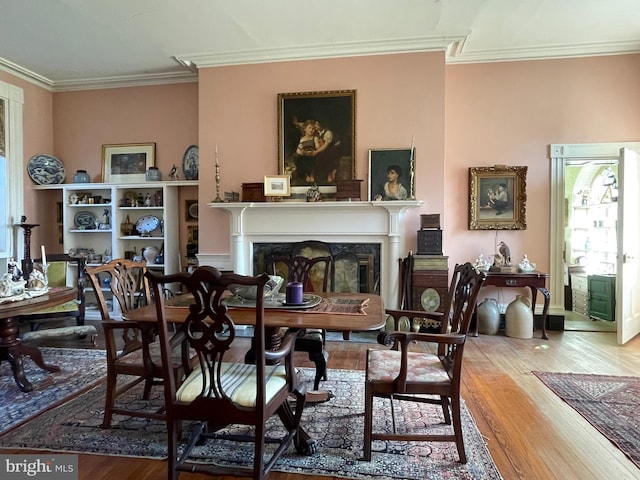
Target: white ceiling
[[73, 44]]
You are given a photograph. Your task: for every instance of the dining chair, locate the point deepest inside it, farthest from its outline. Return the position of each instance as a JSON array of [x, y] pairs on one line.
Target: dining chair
[[139, 357], [218, 393], [313, 273], [406, 373]]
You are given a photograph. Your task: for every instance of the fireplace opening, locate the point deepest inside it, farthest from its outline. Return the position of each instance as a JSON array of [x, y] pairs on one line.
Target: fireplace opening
[[356, 266]]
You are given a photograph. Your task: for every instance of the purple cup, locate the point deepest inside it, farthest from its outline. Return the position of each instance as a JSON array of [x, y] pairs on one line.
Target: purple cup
[[293, 293]]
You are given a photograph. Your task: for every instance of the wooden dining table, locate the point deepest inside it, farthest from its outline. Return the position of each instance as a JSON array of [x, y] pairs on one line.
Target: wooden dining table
[[11, 347], [373, 317], [275, 318]]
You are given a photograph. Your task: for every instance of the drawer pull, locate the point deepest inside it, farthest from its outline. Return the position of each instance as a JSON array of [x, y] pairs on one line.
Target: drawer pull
[[510, 282]]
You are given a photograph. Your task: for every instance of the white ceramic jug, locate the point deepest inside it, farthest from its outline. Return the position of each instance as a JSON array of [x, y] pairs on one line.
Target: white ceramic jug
[[519, 318], [488, 317]]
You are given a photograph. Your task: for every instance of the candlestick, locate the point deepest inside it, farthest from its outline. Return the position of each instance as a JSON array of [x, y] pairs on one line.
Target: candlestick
[[411, 171], [217, 199]]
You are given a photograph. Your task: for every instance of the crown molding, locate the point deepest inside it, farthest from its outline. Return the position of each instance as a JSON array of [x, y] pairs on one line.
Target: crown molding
[[25, 74], [125, 81], [315, 52], [542, 52]]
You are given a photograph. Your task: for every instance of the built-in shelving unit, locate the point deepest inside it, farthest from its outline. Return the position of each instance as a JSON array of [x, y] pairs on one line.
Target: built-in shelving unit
[[93, 215]]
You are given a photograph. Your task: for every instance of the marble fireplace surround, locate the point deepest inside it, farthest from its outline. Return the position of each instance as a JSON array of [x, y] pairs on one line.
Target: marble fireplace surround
[[330, 222]]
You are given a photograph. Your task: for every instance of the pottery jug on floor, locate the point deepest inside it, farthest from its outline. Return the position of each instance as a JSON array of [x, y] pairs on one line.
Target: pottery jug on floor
[[488, 317], [519, 318]]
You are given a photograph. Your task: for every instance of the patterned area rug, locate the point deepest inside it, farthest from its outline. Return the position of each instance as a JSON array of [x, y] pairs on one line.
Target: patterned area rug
[[80, 369], [337, 425], [609, 403]]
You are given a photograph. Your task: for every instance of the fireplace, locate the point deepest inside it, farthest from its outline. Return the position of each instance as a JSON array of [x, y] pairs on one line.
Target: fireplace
[[341, 223]]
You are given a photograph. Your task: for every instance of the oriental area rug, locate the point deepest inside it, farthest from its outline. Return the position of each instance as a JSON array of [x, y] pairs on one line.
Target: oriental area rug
[[80, 370], [337, 426], [610, 403]]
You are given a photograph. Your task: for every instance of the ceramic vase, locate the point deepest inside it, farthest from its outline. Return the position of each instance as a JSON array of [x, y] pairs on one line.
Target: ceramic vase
[[519, 318], [153, 174], [488, 317], [81, 176]]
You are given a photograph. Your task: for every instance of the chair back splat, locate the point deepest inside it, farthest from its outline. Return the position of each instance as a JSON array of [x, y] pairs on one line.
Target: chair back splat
[[313, 273], [217, 392], [408, 370], [132, 349]]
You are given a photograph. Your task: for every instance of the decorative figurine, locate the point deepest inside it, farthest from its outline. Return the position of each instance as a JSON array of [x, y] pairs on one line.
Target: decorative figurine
[[525, 265], [14, 270], [173, 174], [504, 250]]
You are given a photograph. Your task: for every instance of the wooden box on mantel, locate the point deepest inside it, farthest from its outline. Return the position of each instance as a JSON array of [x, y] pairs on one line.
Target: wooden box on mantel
[[348, 190], [253, 192]]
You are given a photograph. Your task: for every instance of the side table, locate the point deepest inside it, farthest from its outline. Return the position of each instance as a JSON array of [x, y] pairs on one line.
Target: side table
[[536, 281]]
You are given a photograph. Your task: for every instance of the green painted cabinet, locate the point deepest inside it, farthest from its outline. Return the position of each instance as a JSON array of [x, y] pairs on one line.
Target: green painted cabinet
[[602, 297]]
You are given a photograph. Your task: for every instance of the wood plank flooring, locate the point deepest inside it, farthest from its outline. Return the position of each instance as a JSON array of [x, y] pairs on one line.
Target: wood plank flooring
[[531, 433]]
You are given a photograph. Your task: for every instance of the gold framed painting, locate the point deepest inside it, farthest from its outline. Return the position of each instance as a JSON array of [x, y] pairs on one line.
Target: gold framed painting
[[497, 198], [127, 163], [316, 139]]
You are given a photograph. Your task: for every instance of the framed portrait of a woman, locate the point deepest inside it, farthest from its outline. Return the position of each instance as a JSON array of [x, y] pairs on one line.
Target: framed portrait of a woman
[[391, 174]]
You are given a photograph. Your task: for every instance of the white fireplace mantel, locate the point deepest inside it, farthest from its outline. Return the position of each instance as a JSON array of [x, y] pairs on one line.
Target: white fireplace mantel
[[331, 222]]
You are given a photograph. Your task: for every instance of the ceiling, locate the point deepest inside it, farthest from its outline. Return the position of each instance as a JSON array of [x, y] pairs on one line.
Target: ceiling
[[78, 44]]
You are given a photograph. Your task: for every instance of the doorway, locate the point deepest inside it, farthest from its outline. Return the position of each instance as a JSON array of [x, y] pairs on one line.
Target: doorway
[[574, 167]]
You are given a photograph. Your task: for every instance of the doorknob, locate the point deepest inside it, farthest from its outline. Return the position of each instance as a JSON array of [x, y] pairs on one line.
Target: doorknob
[[626, 258]]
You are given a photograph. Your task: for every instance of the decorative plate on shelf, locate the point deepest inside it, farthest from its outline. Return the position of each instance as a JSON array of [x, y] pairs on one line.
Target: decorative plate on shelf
[[147, 224], [45, 169], [190, 163], [85, 220]]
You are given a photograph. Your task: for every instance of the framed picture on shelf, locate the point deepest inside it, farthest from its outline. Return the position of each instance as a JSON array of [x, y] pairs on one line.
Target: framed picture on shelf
[[277, 185], [127, 163], [191, 210], [391, 174], [316, 139], [192, 234], [497, 198]]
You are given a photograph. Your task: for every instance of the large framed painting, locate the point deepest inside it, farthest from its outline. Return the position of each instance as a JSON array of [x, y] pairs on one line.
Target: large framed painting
[[391, 174], [497, 198], [316, 138]]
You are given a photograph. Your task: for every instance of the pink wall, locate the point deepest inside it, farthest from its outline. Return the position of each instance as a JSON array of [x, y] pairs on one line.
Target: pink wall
[[38, 138], [484, 114], [509, 113], [397, 97]]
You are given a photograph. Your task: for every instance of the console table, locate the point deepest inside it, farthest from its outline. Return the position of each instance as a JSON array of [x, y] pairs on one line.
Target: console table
[[536, 281]]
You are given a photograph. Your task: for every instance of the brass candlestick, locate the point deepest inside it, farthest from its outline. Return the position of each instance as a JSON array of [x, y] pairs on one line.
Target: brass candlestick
[[217, 199]]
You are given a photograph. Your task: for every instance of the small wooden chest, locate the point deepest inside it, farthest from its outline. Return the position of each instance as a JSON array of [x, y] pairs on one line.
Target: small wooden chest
[[253, 192], [348, 190]]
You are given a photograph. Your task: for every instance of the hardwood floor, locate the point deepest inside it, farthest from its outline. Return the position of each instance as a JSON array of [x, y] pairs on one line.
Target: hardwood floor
[[531, 433]]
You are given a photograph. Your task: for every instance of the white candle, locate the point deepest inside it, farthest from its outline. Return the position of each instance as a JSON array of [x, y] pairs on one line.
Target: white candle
[[412, 148], [217, 164], [44, 256]]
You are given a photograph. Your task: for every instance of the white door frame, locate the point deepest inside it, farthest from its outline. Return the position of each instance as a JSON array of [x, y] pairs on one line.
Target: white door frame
[[560, 155]]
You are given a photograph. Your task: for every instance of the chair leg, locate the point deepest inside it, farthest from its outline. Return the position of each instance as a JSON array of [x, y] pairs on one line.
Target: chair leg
[[148, 383], [444, 401], [110, 399], [368, 422], [457, 428], [175, 427], [321, 368]]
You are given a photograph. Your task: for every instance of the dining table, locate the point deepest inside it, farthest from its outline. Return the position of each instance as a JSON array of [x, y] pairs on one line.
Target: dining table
[[370, 315], [11, 347], [276, 316]]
